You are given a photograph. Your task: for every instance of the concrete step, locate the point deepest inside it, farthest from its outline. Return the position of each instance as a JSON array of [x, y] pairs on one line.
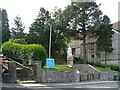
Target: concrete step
[[27, 82]]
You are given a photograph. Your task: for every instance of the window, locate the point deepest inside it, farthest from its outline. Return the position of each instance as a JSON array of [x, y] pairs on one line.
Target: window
[[92, 56]]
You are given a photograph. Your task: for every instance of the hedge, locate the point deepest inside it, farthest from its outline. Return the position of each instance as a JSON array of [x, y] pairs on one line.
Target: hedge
[[20, 41], [24, 53], [111, 66]]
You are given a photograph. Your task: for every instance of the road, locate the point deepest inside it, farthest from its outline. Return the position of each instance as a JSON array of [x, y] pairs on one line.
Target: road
[[90, 85], [76, 86], [59, 89]]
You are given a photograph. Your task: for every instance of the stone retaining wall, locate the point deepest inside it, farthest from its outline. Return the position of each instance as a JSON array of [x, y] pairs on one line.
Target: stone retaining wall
[[57, 76], [79, 73], [88, 76], [107, 75], [85, 68], [66, 77], [49, 76]]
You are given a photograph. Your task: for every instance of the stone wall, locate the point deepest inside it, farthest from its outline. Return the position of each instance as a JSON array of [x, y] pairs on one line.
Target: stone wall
[[57, 76], [66, 77], [88, 76], [107, 75], [85, 68], [79, 73], [89, 72]]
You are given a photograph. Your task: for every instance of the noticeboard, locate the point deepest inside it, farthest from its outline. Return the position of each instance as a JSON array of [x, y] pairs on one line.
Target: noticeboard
[[50, 62]]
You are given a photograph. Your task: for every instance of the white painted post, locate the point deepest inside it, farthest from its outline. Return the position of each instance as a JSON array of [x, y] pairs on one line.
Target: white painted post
[[50, 41]]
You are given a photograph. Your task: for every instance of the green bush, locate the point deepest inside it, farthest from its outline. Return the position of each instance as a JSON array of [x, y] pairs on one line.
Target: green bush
[[117, 77], [24, 53], [112, 66], [78, 60], [98, 64], [20, 41]]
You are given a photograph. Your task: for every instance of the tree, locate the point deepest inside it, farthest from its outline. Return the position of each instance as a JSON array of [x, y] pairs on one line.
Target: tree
[[5, 26], [80, 17], [40, 28], [60, 36], [39, 31], [18, 29], [104, 34]]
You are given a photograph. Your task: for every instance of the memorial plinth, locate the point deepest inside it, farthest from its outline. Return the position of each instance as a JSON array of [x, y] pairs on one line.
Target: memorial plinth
[[69, 57]]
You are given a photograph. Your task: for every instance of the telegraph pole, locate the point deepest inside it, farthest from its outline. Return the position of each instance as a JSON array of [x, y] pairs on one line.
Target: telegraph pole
[[50, 40]]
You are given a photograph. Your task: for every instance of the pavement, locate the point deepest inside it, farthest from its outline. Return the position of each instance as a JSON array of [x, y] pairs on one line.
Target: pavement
[[30, 84]]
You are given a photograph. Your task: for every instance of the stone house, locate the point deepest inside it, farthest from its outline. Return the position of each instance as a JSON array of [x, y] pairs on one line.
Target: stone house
[[93, 54]]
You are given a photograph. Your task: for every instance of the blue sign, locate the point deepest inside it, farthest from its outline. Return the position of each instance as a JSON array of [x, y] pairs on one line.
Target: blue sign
[[50, 63]]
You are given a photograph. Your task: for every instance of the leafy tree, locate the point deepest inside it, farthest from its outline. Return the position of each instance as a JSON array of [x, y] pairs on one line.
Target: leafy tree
[[60, 35], [104, 34], [5, 26], [0, 30], [80, 17], [18, 29], [39, 31]]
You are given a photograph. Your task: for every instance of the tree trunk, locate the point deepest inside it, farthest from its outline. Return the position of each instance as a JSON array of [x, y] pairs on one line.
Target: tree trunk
[[84, 45], [105, 59]]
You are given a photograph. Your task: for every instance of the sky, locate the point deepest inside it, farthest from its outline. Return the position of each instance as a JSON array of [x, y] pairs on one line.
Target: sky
[[28, 9]]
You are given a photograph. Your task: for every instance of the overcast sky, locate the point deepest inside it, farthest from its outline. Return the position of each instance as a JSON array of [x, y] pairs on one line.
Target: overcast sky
[[28, 9]]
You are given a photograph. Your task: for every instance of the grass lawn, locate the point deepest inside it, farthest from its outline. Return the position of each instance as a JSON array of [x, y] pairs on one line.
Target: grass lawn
[[101, 69], [59, 68], [68, 69]]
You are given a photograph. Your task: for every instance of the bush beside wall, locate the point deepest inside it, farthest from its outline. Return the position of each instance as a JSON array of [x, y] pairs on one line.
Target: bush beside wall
[[24, 53], [111, 66]]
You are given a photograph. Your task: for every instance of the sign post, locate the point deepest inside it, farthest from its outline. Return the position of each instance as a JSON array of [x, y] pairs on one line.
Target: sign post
[[50, 62]]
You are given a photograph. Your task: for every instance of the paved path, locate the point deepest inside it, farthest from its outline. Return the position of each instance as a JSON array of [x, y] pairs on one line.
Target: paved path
[[109, 85]]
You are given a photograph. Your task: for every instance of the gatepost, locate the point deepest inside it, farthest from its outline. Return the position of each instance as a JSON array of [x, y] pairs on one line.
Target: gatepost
[[38, 71], [0, 48], [12, 71], [0, 76], [76, 75]]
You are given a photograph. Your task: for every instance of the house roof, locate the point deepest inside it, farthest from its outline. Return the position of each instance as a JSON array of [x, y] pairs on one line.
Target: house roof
[[91, 40], [74, 45], [116, 28], [116, 25]]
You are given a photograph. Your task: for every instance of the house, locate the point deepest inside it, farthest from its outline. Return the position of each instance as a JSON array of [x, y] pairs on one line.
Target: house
[[76, 48], [93, 54]]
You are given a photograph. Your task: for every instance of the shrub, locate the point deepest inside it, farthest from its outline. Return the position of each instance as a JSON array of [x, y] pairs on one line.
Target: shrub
[[78, 60], [24, 53], [98, 64], [20, 41], [112, 66], [117, 77]]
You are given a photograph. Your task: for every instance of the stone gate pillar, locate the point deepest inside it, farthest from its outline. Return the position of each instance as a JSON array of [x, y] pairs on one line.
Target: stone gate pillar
[[76, 75], [0, 76], [12, 72], [38, 71]]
